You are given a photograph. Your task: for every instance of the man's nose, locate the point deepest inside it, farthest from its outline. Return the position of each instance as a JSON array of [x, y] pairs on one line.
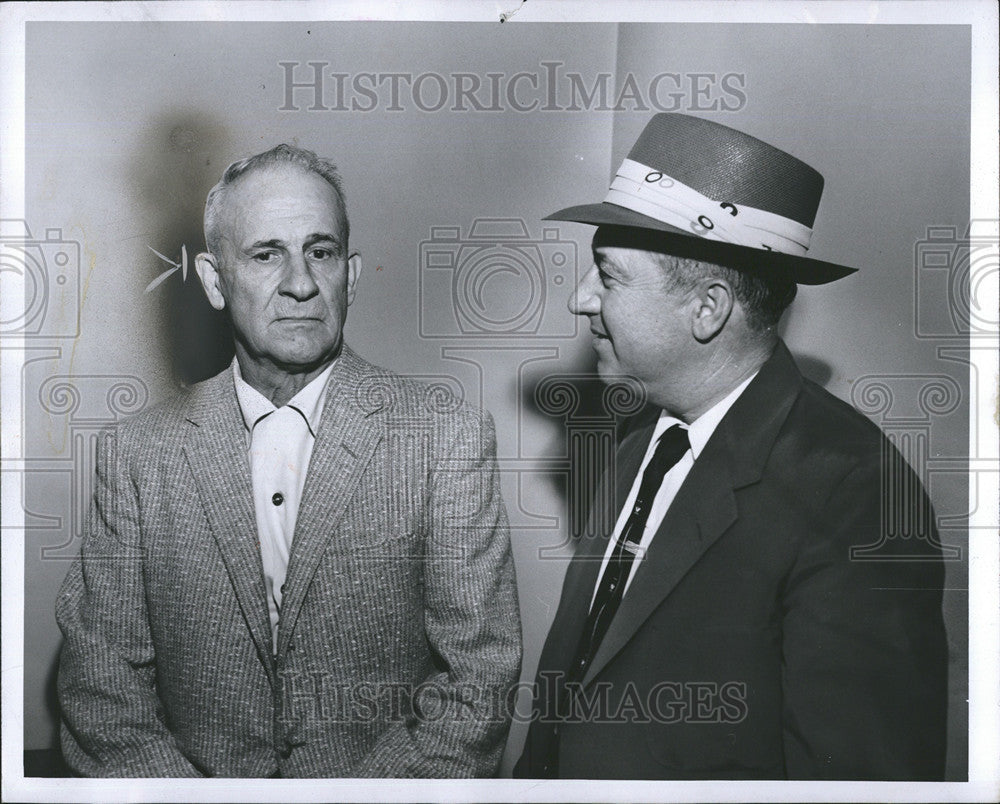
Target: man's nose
[[298, 281], [583, 300]]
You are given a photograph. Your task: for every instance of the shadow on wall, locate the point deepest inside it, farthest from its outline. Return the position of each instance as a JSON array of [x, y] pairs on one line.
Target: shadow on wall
[[181, 156], [812, 368], [581, 417], [584, 416]]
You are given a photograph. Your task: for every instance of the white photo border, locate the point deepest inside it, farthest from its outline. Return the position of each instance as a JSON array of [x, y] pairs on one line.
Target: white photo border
[[984, 567]]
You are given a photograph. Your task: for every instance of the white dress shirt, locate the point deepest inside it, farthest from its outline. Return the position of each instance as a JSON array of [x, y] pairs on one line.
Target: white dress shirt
[[280, 443], [699, 431]]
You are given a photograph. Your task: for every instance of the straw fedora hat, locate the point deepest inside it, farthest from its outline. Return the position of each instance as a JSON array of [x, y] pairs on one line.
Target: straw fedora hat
[[716, 194]]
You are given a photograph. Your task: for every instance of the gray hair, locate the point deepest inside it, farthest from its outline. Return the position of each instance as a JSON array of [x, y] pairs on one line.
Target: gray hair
[[281, 154], [763, 298]]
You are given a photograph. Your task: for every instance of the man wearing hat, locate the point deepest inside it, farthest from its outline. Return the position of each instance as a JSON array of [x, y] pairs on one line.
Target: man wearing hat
[[722, 626]]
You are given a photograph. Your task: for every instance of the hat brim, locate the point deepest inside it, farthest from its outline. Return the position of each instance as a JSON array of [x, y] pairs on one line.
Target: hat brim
[[803, 270]]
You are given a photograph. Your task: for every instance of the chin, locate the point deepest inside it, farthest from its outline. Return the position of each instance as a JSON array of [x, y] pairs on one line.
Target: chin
[[307, 358]]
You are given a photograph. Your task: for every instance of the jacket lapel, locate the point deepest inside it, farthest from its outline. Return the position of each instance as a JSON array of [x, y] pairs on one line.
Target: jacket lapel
[[216, 451], [705, 506], [701, 512], [581, 576], [349, 431]]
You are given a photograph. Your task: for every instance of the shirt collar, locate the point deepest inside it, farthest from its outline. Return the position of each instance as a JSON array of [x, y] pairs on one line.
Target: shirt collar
[[308, 402], [701, 429]]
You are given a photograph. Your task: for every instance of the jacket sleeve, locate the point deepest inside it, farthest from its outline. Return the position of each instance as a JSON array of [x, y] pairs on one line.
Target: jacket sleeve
[[864, 650], [112, 723], [472, 623]]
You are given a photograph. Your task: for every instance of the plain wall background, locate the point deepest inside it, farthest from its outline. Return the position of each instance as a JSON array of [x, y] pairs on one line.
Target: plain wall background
[[129, 125]]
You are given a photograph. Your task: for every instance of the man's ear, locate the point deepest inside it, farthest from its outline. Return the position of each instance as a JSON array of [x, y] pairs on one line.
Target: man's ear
[[353, 273], [715, 299], [208, 272]]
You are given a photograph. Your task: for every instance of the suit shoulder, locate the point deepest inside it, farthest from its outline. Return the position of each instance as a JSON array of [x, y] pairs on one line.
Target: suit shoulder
[[437, 397], [832, 423], [161, 421]]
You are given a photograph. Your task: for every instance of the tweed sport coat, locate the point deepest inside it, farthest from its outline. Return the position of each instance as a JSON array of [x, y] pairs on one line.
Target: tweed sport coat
[[751, 643], [399, 626]]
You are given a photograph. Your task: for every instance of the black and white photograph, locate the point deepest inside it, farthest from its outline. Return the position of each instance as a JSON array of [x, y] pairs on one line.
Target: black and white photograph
[[500, 401]]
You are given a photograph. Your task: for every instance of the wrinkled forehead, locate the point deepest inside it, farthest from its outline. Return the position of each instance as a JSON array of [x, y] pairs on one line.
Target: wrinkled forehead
[[275, 200]]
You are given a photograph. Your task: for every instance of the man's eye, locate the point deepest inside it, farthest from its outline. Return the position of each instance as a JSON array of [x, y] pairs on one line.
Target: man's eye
[[321, 253], [264, 256]]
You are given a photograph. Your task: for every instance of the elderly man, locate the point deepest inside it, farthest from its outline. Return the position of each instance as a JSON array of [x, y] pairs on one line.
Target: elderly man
[[734, 622], [300, 567]]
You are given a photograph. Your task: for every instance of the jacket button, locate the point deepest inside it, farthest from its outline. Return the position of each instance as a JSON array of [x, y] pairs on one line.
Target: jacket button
[[285, 751], [277, 498]]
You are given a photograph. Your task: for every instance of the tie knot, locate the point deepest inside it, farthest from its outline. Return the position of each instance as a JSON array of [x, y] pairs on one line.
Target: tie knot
[[671, 447]]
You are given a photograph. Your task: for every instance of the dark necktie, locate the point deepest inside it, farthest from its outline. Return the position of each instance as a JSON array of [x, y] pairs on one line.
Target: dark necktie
[[669, 450]]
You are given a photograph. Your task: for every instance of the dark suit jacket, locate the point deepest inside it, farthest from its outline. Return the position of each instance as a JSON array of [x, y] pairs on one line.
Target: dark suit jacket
[[750, 644], [399, 625]]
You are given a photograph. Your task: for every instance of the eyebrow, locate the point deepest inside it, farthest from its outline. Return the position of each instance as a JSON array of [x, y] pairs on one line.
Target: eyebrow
[[610, 267], [274, 243], [320, 237], [602, 260], [311, 240]]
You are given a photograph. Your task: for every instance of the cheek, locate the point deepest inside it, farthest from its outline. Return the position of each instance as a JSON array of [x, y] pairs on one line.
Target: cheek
[[248, 301], [337, 298], [248, 307], [639, 331], [619, 316]]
